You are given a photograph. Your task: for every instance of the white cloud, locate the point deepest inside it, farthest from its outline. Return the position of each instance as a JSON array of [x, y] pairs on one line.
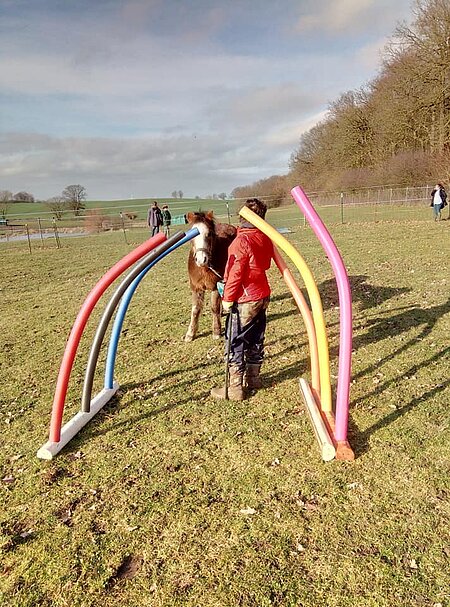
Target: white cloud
[[352, 18], [205, 163], [335, 16], [289, 134], [136, 96], [254, 111], [369, 56]]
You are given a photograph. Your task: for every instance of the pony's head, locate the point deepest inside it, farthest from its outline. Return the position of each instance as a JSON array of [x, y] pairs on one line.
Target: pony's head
[[203, 243]]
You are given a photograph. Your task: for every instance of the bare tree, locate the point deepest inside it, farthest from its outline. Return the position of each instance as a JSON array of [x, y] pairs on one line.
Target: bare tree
[[428, 41], [57, 205], [5, 197], [174, 194], [74, 197], [180, 194], [272, 190], [222, 196]]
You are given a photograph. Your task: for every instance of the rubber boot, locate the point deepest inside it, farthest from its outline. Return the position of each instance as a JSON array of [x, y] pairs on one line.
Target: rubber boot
[[252, 378], [235, 388]]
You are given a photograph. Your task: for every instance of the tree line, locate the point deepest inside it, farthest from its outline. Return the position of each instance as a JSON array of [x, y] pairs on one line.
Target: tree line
[[71, 199], [393, 131]]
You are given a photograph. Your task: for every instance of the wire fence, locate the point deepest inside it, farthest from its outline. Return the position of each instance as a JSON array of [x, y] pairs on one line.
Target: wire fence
[[375, 204], [363, 205]]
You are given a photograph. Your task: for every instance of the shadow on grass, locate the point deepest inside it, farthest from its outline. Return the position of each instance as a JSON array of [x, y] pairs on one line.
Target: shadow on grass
[[396, 325], [291, 371], [166, 375], [115, 403], [281, 297], [368, 296], [276, 315], [380, 329], [361, 439], [411, 371]]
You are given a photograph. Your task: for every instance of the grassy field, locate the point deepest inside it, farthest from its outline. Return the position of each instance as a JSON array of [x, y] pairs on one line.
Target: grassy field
[[169, 498], [22, 211]]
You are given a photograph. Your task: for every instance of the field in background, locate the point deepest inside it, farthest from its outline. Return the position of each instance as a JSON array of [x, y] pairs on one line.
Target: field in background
[[366, 205], [30, 211], [171, 498]]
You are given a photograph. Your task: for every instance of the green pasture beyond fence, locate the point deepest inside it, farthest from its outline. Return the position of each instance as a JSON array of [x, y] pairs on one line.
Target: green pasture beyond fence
[[38, 227]]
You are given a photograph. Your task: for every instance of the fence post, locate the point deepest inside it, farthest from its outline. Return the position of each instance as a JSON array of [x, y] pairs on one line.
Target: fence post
[[406, 195], [40, 230], [28, 236], [342, 207], [55, 230], [123, 227], [228, 210]]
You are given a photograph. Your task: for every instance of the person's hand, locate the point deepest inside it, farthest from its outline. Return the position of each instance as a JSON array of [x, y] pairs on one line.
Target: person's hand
[[227, 306]]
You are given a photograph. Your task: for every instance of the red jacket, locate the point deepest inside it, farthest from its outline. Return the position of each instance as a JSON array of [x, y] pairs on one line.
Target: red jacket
[[249, 256]]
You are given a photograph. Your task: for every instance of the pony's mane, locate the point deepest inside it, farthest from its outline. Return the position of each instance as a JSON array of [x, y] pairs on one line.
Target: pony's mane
[[202, 217]]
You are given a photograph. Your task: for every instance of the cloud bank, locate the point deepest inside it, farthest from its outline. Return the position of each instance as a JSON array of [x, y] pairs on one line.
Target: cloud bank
[[137, 98]]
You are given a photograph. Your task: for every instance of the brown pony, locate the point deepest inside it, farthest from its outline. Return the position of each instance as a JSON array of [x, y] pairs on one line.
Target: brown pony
[[206, 266]]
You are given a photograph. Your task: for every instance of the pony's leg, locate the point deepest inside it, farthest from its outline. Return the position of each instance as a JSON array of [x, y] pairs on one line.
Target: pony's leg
[[198, 299], [216, 309]]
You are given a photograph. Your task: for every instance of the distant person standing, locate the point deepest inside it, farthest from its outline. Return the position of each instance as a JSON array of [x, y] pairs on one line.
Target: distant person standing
[[154, 218], [167, 220], [438, 200]]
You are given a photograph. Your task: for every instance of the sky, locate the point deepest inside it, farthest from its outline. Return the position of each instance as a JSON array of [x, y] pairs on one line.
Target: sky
[[138, 98]]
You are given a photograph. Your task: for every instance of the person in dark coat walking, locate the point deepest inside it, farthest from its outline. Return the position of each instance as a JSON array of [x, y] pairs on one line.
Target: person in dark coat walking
[[167, 220], [438, 200], [154, 218]]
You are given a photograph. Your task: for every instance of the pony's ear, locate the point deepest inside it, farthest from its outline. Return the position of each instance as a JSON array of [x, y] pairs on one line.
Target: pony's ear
[[190, 217], [209, 214]]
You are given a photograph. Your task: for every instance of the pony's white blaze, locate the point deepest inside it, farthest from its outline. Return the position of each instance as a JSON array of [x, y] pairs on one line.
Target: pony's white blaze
[[200, 243]]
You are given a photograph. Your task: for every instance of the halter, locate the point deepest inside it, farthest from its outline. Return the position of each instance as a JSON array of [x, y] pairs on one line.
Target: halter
[[216, 273]]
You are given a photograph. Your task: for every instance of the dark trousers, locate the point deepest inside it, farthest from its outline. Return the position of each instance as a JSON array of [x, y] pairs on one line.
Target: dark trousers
[[155, 230], [247, 333]]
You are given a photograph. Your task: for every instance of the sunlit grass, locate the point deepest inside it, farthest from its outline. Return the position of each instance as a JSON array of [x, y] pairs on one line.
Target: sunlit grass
[[171, 498]]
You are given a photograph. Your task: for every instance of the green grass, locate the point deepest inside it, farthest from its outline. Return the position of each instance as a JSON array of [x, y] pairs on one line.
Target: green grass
[[152, 503], [22, 211]]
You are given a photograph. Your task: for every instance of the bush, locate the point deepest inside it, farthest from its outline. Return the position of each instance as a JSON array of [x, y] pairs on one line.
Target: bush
[[95, 221]]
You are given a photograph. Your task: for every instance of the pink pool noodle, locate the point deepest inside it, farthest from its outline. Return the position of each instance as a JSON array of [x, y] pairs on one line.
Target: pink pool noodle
[[345, 311]]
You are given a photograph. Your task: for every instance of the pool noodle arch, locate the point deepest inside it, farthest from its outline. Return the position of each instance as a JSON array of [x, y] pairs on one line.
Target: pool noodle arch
[[133, 281], [149, 261], [345, 314], [314, 296], [158, 246], [321, 412], [80, 323]]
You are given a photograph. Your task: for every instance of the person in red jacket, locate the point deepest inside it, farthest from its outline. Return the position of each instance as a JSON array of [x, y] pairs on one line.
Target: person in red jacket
[[245, 300]]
